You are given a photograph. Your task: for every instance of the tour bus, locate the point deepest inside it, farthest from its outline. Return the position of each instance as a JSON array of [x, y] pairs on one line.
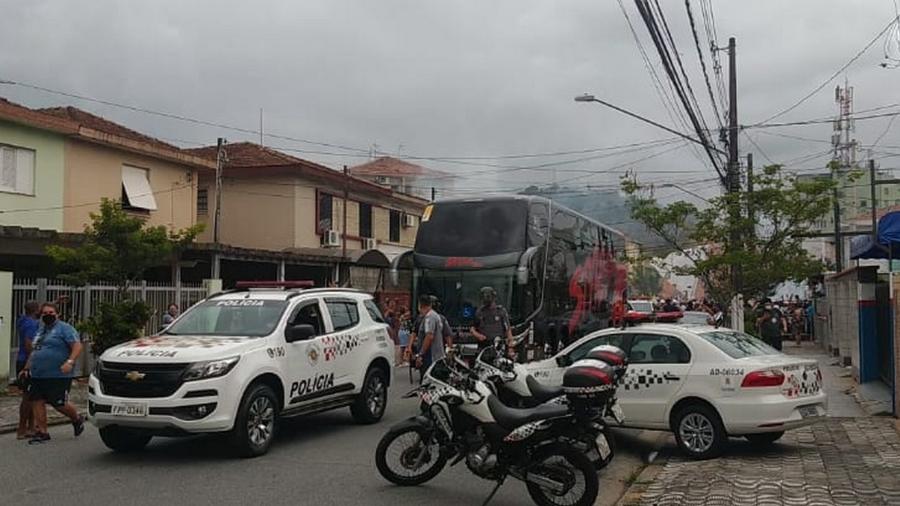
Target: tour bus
[[555, 271]]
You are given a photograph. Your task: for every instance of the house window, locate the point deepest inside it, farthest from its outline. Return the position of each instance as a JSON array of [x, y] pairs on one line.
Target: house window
[[365, 220], [325, 212], [136, 191], [16, 170], [395, 226], [202, 201]]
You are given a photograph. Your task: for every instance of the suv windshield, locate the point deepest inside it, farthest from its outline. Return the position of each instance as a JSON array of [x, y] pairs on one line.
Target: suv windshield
[[236, 317], [737, 344]]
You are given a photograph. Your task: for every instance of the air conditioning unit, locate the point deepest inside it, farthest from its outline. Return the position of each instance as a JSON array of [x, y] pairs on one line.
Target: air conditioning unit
[[369, 243], [381, 180], [331, 238], [409, 221]]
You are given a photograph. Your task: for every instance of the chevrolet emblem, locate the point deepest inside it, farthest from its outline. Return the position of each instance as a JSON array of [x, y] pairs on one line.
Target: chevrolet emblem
[[134, 375]]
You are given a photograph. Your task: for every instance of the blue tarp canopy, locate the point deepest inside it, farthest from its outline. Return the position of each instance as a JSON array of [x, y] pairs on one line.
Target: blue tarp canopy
[[862, 246]]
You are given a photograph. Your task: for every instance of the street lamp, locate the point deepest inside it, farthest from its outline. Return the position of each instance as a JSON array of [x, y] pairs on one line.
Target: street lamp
[[587, 97]]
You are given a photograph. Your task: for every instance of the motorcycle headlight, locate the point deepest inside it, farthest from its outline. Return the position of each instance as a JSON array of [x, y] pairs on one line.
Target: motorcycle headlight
[[210, 369]]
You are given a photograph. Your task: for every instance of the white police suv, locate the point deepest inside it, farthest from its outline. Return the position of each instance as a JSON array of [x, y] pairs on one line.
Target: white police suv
[[241, 359], [703, 383]]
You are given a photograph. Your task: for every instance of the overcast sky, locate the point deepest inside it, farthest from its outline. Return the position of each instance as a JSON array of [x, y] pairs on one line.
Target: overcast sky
[[445, 78]]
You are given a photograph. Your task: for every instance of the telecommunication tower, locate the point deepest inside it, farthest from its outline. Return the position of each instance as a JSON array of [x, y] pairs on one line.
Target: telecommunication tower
[[844, 146]]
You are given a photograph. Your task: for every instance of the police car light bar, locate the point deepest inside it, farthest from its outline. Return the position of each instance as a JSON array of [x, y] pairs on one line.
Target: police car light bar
[[275, 284]]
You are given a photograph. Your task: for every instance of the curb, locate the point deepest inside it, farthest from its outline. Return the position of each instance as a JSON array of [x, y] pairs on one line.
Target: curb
[[634, 493]]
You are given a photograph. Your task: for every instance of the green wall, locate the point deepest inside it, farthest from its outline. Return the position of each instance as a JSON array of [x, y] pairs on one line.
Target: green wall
[[48, 179]]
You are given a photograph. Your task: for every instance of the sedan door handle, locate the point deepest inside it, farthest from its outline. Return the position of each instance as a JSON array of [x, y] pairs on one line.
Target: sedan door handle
[[671, 377]]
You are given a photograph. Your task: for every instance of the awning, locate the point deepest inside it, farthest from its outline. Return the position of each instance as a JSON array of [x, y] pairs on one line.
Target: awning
[[365, 258], [864, 247], [137, 188]]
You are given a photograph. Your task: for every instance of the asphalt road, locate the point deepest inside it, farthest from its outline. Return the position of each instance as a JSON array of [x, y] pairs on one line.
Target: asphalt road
[[321, 459]]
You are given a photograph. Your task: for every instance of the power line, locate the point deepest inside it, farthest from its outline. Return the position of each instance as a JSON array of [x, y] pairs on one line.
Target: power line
[[712, 98], [672, 110], [658, 39], [833, 76], [88, 204]]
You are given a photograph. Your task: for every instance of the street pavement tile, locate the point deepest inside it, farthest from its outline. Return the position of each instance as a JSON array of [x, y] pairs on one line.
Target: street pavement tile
[[840, 461]]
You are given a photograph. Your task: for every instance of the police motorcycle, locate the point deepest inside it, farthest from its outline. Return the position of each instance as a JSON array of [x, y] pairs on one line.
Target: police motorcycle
[[462, 419], [515, 387]]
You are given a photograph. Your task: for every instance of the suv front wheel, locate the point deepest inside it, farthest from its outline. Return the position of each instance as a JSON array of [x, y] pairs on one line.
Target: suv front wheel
[[254, 427], [122, 439], [371, 402]]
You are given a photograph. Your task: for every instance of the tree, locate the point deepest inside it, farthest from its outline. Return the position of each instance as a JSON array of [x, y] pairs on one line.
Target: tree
[[118, 248], [770, 223]]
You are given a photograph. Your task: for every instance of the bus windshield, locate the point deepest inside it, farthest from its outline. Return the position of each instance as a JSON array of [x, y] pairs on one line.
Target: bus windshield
[[459, 291], [474, 229]]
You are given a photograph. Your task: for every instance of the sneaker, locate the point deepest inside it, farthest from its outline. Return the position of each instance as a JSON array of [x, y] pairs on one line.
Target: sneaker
[[39, 437], [78, 425]]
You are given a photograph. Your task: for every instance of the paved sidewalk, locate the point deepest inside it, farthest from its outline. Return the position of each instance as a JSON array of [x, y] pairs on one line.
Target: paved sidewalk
[[847, 459], [9, 406]]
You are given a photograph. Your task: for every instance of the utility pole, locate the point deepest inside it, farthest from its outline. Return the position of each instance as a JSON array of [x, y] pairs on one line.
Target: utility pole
[[217, 217], [733, 171], [343, 278], [838, 239], [874, 202], [750, 212], [220, 162]]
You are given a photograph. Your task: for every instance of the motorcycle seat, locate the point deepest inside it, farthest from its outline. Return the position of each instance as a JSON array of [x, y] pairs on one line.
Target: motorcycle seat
[[541, 392], [512, 418]]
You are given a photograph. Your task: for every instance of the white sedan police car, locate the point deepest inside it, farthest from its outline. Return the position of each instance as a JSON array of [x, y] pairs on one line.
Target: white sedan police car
[[704, 384]]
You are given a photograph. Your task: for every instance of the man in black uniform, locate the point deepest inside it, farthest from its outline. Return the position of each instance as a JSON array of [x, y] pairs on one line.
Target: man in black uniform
[[491, 321]]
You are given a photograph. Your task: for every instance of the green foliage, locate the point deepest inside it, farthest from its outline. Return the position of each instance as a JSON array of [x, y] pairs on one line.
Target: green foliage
[[766, 224], [115, 323], [118, 248]]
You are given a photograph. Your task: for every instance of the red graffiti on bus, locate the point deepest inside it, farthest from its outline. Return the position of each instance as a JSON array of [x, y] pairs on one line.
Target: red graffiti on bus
[[592, 282]]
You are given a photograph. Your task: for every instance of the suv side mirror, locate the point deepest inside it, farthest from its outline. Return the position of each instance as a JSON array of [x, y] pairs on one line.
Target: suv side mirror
[[300, 332], [563, 361]]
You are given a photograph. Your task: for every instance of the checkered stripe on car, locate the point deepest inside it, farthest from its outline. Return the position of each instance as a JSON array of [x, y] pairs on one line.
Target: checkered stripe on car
[[641, 379]]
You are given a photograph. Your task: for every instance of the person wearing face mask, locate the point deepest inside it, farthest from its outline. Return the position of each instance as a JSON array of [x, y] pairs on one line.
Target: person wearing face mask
[[50, 368]]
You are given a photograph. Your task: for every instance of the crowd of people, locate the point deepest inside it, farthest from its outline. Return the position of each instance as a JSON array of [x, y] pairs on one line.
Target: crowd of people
[[421, 341], [776, 320]]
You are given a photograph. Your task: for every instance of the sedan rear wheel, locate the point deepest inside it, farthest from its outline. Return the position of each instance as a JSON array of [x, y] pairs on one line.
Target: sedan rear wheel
[[699, 432]]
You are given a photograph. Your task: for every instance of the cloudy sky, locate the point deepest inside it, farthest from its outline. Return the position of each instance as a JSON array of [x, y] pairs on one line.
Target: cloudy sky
[[438, 79]]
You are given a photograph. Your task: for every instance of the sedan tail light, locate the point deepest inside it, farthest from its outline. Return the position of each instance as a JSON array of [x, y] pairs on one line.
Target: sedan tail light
[[763, 379]]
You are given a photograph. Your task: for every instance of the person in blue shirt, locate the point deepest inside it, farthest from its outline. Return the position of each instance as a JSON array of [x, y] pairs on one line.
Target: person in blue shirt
[[50, 368], [26, 328]]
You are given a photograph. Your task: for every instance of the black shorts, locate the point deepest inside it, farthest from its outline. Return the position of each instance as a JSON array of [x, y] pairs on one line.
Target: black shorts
[[52, 390]]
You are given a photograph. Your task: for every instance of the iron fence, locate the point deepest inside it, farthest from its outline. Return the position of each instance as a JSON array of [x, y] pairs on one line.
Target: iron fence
[[76, 303]]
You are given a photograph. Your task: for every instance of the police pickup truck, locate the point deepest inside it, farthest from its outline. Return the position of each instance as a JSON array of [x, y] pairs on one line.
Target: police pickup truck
[[241, 359]]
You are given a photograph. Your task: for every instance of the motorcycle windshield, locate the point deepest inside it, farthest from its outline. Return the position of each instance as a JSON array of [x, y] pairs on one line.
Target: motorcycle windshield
[[459, 291]]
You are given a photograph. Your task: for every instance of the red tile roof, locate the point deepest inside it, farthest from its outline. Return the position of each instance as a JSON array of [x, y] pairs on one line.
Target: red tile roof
[[76, 123], [392, 167], [249, 154], [251, 158], [104, 125]]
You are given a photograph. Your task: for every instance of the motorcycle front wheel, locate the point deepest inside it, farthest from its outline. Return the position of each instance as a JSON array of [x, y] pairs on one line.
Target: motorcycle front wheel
[[568, 467], [409, 456]]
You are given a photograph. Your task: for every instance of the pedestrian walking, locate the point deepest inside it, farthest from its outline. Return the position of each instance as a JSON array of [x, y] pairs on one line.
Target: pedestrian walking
[[26, 328], [51, 367]]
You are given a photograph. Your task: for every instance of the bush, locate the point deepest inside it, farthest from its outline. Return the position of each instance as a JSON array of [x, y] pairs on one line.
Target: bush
[[115, 323]]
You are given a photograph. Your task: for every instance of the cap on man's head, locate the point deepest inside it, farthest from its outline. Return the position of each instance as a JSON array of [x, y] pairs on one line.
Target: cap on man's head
[[426, 300]]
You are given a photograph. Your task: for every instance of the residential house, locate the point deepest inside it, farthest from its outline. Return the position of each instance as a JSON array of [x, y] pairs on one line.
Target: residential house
[[57, 164], [404, 177], [275, 202]]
